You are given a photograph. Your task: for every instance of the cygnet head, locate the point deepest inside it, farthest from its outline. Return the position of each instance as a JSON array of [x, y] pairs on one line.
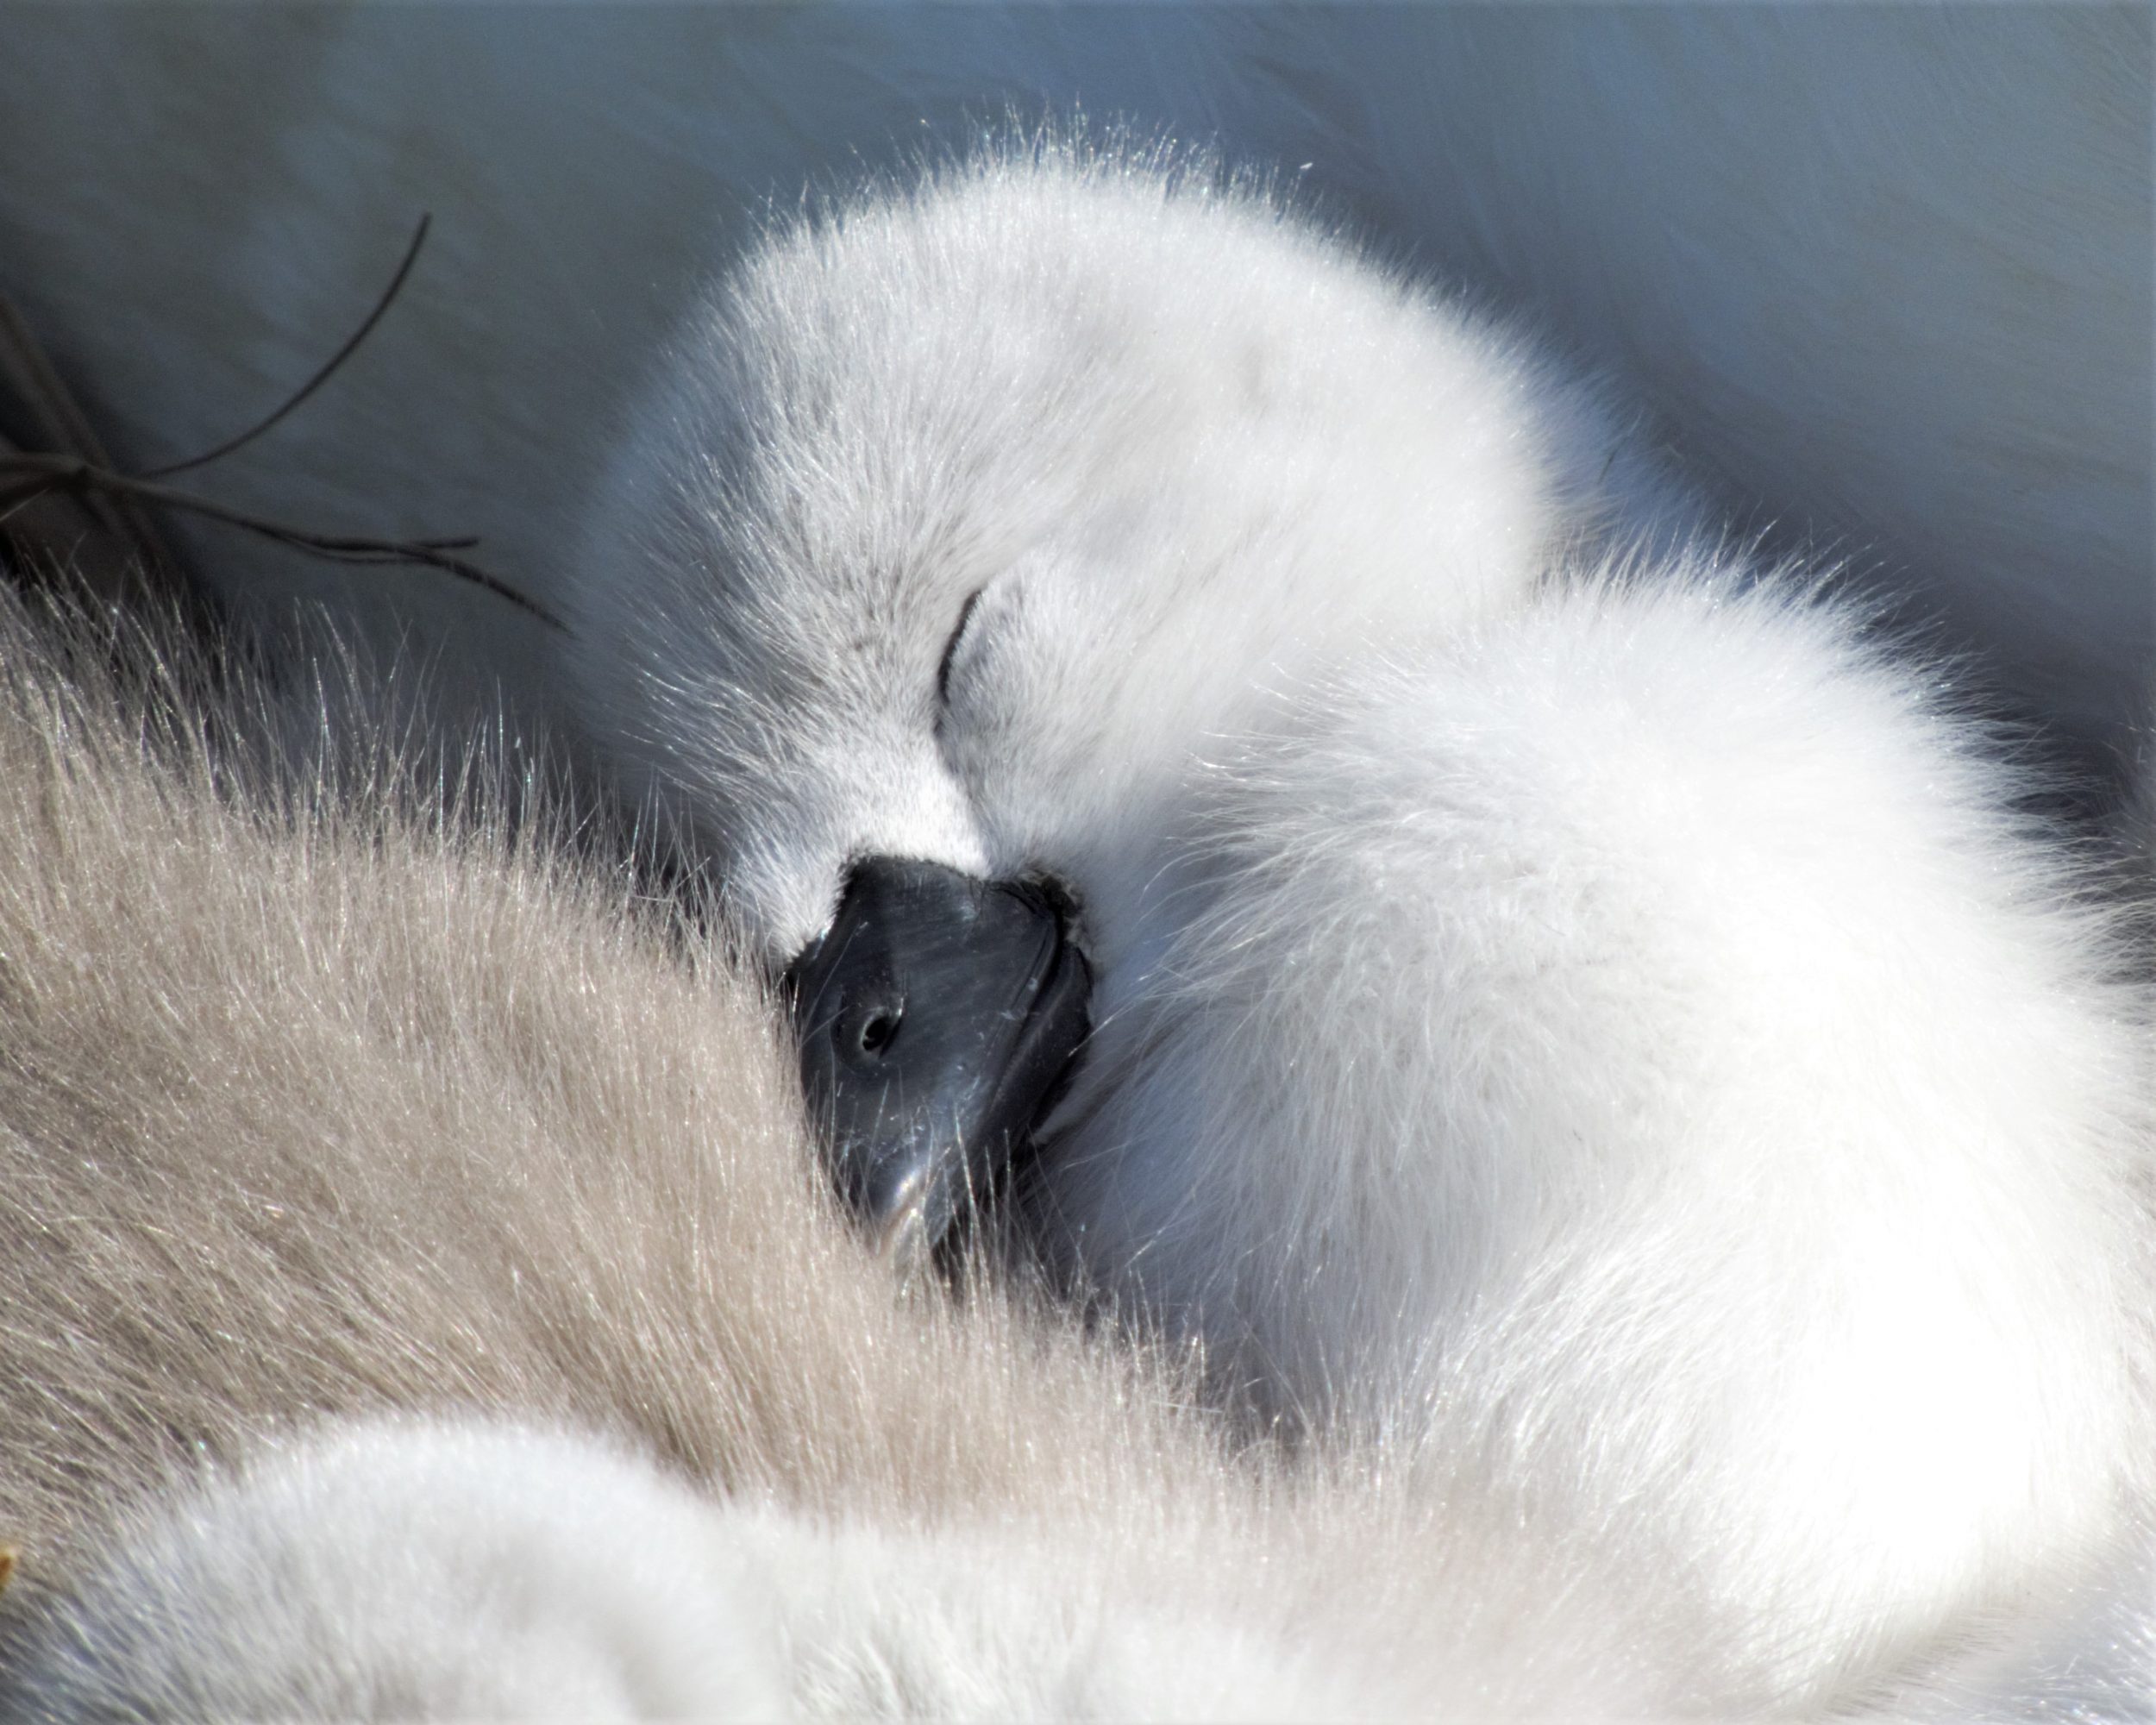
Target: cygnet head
[[957, 530]]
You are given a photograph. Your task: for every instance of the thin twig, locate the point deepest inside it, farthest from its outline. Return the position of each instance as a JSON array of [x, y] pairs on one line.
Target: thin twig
[[78, 466], [328, 370], [27, 476]]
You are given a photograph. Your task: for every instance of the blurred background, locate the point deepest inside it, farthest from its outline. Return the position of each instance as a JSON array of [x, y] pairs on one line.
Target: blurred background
[[1882, 275]]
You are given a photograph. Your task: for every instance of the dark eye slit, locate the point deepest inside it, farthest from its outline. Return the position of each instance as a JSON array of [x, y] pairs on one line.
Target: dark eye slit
[[950, 647]]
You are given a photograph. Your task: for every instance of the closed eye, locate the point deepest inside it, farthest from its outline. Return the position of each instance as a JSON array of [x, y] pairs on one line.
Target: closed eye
[[950, 648]]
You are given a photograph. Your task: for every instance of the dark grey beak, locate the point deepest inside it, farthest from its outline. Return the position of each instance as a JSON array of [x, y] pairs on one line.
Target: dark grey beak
[[936, 1019]]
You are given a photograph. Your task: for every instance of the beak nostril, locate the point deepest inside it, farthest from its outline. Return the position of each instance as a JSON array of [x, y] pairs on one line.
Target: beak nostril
[[865, 1027], [877, 1030]]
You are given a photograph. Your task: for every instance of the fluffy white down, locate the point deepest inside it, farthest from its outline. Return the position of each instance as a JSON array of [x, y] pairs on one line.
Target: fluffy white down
[[353, 1579], [1563, 1004], [455, 1570], [1576, 1022]]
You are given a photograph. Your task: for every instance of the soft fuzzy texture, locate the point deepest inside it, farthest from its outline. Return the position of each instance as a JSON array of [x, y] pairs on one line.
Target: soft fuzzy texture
[[316, 1113], [419, 1308], [1586, 1059], [415, 1307], [419, 1305], [1566, 1005]]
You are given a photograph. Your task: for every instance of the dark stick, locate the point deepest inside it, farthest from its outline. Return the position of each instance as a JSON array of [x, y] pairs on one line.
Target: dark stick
[[322, 376], [24, 477], [80, 466]]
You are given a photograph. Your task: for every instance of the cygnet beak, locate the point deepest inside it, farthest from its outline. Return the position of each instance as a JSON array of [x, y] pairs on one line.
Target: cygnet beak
[[938, 1018]]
